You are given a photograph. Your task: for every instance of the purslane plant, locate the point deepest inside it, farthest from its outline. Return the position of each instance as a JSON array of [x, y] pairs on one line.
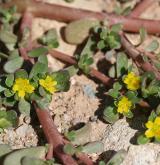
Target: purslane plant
[[39, 83]]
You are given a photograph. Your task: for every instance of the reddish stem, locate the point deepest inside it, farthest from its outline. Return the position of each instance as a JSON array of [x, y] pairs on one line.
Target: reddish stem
[[150, 55], [136, 56], [141, 7], [53, 136], [71, 60], [67, 14], [84, 159], [26, 22]]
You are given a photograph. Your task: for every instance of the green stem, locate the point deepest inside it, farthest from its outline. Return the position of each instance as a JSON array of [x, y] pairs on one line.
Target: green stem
[[3, 55]]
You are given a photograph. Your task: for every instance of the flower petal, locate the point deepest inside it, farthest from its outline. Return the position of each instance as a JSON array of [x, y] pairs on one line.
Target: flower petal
[[149, 133], [149, 124], [21, 94], [157, 120]]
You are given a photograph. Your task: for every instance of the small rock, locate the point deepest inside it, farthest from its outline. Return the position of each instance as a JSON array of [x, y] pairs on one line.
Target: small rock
[[22, 130]]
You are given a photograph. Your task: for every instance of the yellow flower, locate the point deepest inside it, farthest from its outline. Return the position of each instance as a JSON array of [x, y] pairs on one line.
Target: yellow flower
[[132, 81], [124, 105], [153, 128], [48, 84], [22, 86]]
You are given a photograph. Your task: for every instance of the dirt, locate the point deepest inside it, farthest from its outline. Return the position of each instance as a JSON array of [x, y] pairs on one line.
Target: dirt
[[81, 102]]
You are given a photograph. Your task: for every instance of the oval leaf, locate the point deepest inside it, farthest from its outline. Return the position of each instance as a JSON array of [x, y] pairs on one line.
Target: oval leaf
[[12, 65], [37, 52]]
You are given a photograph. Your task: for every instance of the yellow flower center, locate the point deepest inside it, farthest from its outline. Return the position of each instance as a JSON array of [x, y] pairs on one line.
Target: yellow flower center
[[124, 105], [22, 86], [153, 128], [132, 81], [48, 84]]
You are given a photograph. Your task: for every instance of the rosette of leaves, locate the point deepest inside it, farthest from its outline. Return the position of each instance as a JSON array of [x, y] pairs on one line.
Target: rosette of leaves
[[81, 138], [150, 85], [121, 66], [13, 68], [84, 63], [9, 20], [49, 39], [108, 37], [142, 139], [7, 14], [40, 71], [7, 118], [25, 156], [110, 113]]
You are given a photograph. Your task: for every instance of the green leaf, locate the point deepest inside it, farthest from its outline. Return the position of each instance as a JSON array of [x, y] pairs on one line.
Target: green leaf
[[128, 115], [2, 88], [9, 80], [12, 117], [101, 44], [110, 114], [12, 65], [32, 161], [70, 135], [84, 63], [146, 79], [126, 10], [152, 46], [157, 140], [143, 34], [38, 68], [93, 147], [132, 96], [16, 156], [122, 64], [4, 123], [82, 135], [42, 91], [50, 39], [21, 73], [117, 86], [4, 149], [3, 55], [37, 52], [156, 64], [43, 59], [69, 149], [118, 158], [112, 72], [72, 70], [7, 119], [142, 139], [7, 14], [113, 93], [9, 101], [104, 32], [8, 37], [116, 27], [113, 40], [8, 93], [24, 107], [158, 110], [77, 31], [44, 103], [62, 78], [101, 163], [35, 97], [89, 47], [152, 116], [13, 54]]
